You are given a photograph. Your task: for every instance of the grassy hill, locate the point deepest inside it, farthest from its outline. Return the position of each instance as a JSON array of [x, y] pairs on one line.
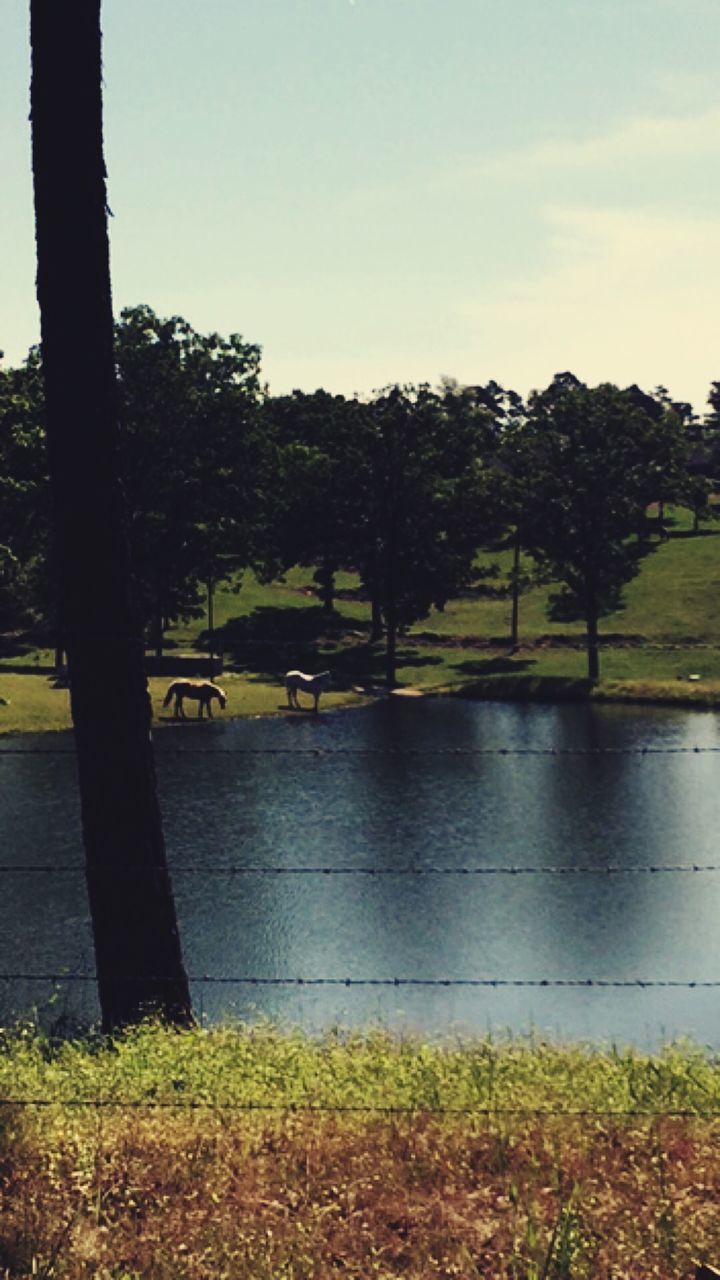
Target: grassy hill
[[667, 630]]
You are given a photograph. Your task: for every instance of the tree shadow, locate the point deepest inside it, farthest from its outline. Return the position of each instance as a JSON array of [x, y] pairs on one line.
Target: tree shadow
[[529, 688], [278, 630], [678, 535], [351, 665], [494, 666]]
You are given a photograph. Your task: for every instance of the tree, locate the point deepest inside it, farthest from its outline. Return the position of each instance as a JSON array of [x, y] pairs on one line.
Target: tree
[[666, 476], [137, 948], [508, 490], [194, 463], [319, 507], [703, 461], [24, 496], [592, 456], [425, 487]]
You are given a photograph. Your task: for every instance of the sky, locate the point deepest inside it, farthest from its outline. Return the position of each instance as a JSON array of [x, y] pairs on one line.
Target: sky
[[382, 191]]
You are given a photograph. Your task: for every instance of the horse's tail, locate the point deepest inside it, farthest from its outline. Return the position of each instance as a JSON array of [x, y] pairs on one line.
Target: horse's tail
[[169, 695]]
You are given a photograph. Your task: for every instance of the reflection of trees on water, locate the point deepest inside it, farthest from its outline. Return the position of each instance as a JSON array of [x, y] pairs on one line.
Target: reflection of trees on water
[[379, 806]]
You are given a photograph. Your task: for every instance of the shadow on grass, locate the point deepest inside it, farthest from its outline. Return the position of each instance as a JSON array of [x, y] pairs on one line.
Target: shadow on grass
[[494, 666], [281, 632], [265, 644], [527, 688], [676, 535], [350, 665]]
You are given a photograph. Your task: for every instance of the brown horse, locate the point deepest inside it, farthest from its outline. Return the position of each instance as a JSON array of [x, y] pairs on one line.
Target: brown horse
[[202, 691]]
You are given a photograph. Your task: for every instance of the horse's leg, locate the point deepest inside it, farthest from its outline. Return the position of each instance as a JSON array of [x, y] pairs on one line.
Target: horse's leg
[[288, 691], [179, 708], [208, 704]]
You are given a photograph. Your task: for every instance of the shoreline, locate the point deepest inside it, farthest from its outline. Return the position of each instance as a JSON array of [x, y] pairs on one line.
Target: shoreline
[[46, 710]]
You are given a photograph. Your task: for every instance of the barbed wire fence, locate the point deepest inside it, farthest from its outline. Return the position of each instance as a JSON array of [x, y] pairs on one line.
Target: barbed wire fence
[[347, 982]]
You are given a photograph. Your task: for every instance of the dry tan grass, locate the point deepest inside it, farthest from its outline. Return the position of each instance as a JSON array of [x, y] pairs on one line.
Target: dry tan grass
[[206, 1194]]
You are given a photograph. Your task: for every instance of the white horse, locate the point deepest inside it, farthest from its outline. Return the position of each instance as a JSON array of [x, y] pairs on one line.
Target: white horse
[[296, 680]]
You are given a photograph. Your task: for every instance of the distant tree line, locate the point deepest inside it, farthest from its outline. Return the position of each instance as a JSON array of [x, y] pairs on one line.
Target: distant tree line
[[403, 487]]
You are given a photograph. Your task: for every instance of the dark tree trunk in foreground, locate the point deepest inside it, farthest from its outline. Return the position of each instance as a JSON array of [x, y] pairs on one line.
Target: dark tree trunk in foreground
[[137, 948]]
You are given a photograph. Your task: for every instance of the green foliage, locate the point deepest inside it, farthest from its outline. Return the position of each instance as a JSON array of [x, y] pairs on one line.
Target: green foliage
[[597, 457], [426, 483], [318, 508], [25, 587], [259, 1065], [191, 458]]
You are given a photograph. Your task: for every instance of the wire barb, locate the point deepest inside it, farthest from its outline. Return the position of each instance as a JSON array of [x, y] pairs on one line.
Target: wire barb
[[206, 979], [294, 1108], [253, 869], [388, 751]]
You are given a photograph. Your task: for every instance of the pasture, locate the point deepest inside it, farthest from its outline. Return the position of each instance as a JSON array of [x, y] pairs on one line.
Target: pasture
[[471, 1159], [182, 1172], [668, 629]]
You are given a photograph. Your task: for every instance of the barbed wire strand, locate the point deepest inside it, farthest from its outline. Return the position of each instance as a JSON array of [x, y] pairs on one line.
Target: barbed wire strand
[[293, 1108], [251, 869], [389, 751], [243, 980]]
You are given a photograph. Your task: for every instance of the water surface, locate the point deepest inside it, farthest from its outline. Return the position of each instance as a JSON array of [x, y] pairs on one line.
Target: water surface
[[427, 785]]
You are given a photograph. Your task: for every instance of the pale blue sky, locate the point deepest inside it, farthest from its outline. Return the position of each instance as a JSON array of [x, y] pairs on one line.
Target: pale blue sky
[[391, 190]]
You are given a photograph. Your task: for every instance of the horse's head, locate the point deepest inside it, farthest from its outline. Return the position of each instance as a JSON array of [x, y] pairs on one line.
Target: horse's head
[[221, 696]]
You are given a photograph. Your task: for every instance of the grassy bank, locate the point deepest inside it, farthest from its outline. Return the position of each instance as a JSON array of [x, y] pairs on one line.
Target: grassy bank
[[32, 703], [668, 630], [192, 1177]]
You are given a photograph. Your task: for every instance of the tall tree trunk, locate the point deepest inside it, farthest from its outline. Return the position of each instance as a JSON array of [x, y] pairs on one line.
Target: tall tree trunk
[[137, 948], [211, 616], [376, 624], [391, 603], [593, 643], [159, 627], [515, 580], [391, 645], [325, 578], [375, 588]]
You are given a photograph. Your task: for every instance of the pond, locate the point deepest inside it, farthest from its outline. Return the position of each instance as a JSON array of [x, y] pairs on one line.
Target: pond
[[382, 843]]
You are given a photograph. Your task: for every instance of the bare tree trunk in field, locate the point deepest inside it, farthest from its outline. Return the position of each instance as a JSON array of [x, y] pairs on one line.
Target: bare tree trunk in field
[[592, 639], [515, 583], [137, 947]]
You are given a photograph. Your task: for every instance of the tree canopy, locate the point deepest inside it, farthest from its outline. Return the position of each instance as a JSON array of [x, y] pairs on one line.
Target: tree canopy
[[596, 457]]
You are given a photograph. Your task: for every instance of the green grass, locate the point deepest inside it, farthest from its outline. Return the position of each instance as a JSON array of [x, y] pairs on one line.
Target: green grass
[[668, 629], [183, 1173], [261, 1066], [32, 703]]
